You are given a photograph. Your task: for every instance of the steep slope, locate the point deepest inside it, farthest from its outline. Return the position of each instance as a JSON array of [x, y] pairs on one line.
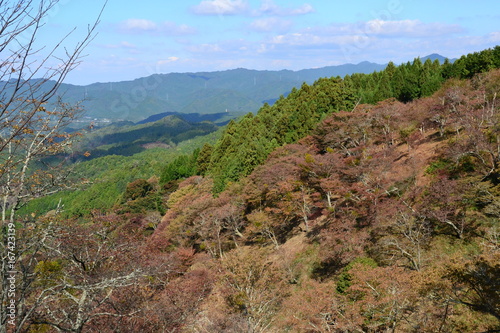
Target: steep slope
[[127, 139], [374, 218], [392, 211], [246, 144]]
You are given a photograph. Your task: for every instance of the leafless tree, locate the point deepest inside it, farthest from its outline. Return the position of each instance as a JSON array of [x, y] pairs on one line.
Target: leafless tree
[[32, 121]]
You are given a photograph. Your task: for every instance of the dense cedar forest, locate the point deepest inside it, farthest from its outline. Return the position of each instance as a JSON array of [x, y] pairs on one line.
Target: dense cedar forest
[[369, 203]]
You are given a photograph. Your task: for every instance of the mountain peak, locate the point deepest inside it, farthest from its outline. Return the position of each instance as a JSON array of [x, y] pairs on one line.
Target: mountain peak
[[435, 56]]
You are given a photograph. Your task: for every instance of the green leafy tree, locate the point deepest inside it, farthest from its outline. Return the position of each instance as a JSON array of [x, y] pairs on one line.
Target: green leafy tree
[[182, 167]]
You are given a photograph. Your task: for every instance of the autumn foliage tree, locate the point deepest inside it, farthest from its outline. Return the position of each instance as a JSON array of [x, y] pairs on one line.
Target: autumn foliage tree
[[381, 217]]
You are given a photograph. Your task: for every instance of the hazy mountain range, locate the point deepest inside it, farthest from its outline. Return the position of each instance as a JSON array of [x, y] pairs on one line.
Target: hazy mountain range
[[234, 91]]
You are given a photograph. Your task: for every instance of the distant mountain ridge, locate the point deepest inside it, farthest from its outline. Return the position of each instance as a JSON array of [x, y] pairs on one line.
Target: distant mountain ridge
[[438, 57], [237, 90], [217, 118]]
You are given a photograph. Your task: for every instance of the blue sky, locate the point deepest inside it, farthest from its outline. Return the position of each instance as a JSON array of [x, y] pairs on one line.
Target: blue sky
[[140, 38]]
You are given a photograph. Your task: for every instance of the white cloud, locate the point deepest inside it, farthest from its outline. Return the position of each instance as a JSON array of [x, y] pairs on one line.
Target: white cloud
[[363, 33], [309, 39], [271, 24], [137, 26], [494, 37], [227, 49], [233, 7], [167, 61], [205, 48], [389, 29], [265, 48], [173, 29], [220, 7], [409, 28], [268, 7], [351, 42], [124, 44], [304, 9], [113, 60], [128, 45]]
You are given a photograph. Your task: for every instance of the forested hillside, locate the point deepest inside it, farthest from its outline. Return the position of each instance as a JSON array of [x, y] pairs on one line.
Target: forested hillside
[[130, 139], [364, 204], [247, 143], [238, 90]]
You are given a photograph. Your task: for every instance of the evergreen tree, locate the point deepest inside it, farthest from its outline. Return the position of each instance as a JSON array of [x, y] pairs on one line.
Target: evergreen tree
[[383, 90], [447, 69], [411, 74], [203, 161], [430, 78], [246, 144]]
